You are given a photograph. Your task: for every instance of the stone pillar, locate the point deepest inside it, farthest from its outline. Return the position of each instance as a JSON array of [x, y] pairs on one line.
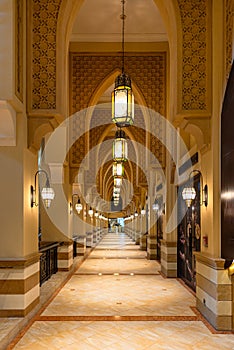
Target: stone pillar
[[143, 236], [169, 258], [81, 245], [214, 291], [151, 239], [19, 258], [65, 256], [19, 285], [138, 229]]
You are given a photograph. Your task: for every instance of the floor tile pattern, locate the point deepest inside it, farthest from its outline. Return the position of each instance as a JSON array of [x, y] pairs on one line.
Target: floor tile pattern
[[118, 300]]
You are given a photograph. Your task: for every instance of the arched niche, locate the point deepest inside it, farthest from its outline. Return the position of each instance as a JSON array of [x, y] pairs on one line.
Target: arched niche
[[69, 11]]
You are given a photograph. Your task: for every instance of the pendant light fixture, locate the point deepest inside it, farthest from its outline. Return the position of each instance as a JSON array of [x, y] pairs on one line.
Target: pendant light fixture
[[118, 169], [117, 181], [120, 147], [122, 96]]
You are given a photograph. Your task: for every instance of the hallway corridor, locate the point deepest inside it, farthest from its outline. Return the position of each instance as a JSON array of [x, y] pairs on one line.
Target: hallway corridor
[[118, 299]]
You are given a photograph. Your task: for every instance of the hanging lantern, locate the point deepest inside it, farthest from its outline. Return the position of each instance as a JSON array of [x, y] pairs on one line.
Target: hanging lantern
[[117, 181], [116, 190], [122, 101], [122, 96], [120, 147], [118, 169]]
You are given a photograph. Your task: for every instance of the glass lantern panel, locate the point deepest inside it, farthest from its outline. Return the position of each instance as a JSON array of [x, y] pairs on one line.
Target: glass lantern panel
[[121, 104], [117, 181]]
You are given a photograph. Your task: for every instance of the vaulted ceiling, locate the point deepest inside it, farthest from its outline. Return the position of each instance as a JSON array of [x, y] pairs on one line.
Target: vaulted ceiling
[[99, 21]]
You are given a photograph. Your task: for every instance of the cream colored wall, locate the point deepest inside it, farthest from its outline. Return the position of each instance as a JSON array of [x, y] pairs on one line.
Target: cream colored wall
[[207, 218], [18, 232], [30, 225], [210, 160], [7, 53]]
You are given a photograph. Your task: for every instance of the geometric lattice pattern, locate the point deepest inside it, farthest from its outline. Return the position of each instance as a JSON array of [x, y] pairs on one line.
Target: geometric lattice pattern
[[88, 72], [44, 27], [229, 34], [195, 79], [147, 72]]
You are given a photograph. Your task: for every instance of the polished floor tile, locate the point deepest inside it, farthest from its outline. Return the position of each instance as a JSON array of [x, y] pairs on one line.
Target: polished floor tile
[[117, 299], [123, 335]]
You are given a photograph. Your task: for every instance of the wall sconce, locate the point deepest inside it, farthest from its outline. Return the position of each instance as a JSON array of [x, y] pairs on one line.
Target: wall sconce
[[78, 205], [96, 214], [189, 193], [90, 212], [143, 211], [155, 205], [157, 202], [47, 193], [136, 214]]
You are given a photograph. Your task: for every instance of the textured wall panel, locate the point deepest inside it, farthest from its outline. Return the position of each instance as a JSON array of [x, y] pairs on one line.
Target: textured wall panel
[[195, 40]]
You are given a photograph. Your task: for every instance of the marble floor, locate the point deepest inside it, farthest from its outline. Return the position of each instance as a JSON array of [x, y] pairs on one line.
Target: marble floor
[[117, 299]]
